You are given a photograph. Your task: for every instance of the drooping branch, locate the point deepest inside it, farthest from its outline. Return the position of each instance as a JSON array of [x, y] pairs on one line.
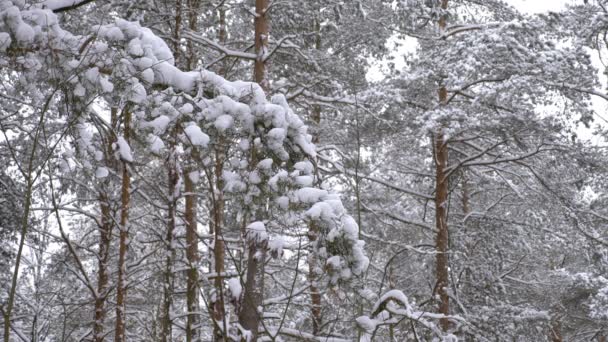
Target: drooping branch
[[59, 6]]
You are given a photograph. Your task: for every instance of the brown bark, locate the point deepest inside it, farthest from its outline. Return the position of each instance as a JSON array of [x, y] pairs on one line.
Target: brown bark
[[261, 43], [217, 210], [249, 317], [105, 238], [102, 272], [441, 198], [176, 32], [313, 230], [313, 233], [192, 256], [193, 6], [219, 310], [173, 178], [222, 36], [315, 295], [192, 287], [556, 332], [441, 242], [121, 286]]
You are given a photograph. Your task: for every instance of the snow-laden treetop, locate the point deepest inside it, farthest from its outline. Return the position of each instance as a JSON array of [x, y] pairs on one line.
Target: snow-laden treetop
[[131, 68]]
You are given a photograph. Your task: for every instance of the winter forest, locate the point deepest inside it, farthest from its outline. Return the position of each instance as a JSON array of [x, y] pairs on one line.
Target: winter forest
[[310, 170]]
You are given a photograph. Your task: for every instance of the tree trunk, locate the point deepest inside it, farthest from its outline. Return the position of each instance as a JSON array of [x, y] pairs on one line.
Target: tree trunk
[[261, 43], [193, 258], [217, 210], [193, 7], [556, 332], [441, 200], [219, 310], [105, 238], [173, 178], [441, 242], [121, 286], [221, 36], [249, 317], [313, 234], [315, 295], [313, 230], [176, 33]]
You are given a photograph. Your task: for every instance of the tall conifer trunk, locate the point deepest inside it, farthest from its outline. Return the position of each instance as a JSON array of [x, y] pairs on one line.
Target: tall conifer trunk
[[125, 197], [105, 238], [219, 307], [249, 316], [192, 255], [261, 43], [313, 231], [441, 200], [173, 181], [219, 310]]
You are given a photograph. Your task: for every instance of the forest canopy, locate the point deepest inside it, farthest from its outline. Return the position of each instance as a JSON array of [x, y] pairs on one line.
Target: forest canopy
[[320, 170]]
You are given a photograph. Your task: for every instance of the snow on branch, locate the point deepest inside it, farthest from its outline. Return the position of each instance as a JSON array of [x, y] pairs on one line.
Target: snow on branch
[[58, 6], [124, 63], [453, 30], [392, 307], [217, 46]]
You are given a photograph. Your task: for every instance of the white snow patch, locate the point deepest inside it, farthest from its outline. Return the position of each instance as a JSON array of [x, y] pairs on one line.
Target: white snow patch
[[310, 195], [194, 176], [124, 149], [155, 144], [276, 246], [223, 122], [196, 136], [265, 164], [101, 172], [159, 124], [234, 285], [256, 232]]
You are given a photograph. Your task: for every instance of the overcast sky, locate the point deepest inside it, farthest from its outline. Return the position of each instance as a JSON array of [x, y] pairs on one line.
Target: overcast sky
[[538, 6]]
